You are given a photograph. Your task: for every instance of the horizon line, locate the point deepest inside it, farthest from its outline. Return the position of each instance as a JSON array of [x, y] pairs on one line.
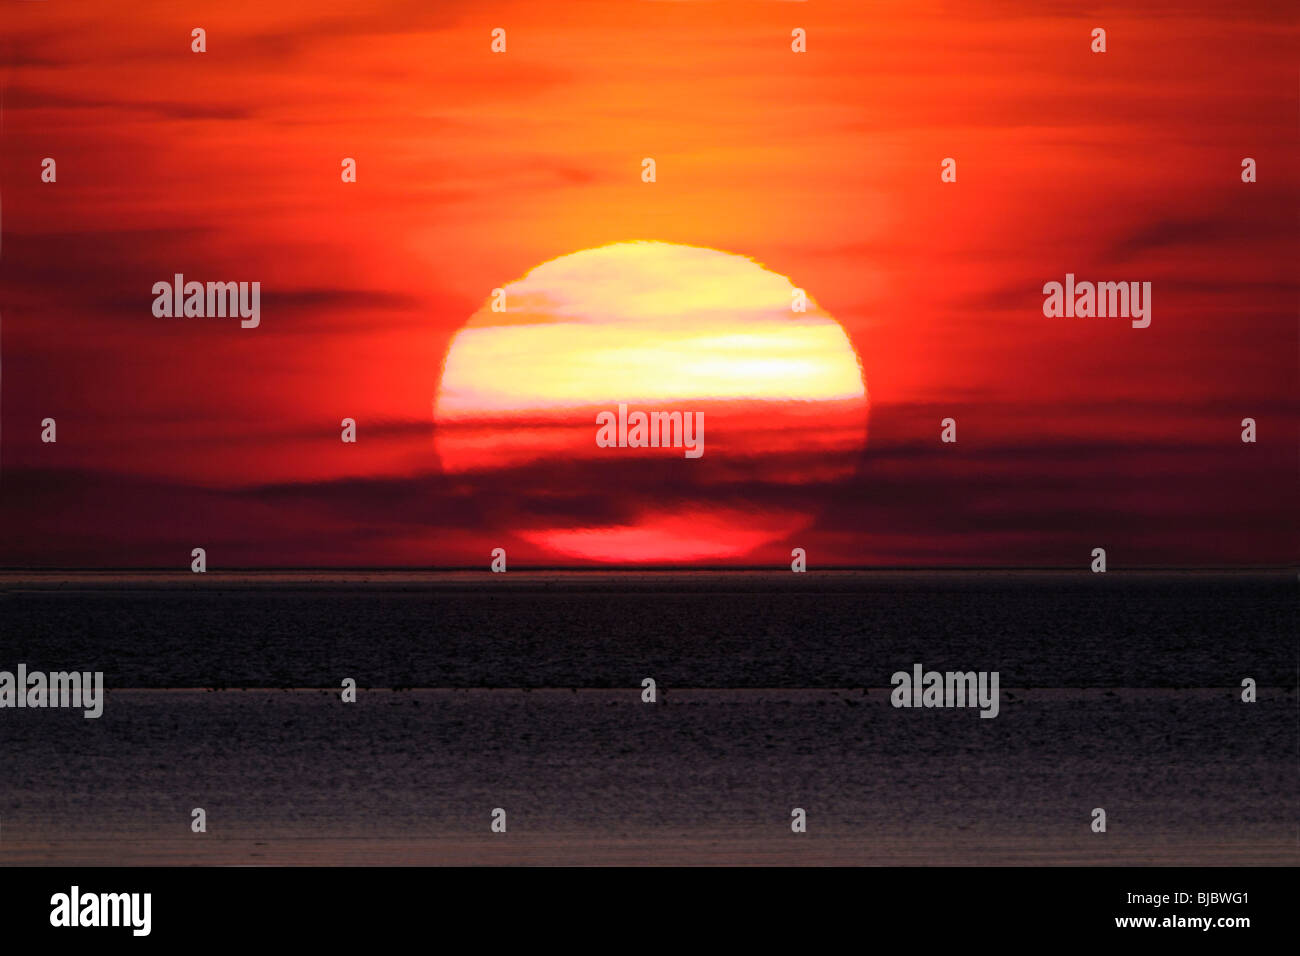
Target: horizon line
[[605, 569]]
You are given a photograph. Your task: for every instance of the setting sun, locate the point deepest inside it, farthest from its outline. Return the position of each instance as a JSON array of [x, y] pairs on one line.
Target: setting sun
[[680, 330]]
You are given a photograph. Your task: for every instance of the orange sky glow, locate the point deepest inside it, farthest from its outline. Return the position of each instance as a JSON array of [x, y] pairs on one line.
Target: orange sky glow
[[522, 171]]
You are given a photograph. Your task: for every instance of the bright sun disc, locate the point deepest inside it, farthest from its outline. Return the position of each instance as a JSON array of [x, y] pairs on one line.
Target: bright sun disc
[[656, 327]]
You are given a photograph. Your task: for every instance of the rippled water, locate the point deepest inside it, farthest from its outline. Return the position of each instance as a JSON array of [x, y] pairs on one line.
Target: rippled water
[[1122, 694]]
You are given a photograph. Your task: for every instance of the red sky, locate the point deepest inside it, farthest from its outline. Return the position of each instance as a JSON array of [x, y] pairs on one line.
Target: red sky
[[474, 168]]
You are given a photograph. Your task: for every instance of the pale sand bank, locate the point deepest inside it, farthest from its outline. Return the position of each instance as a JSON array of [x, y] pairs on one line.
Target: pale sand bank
[[672, 849]]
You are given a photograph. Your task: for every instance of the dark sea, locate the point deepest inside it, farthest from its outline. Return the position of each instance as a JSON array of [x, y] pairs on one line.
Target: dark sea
[[523, 692]]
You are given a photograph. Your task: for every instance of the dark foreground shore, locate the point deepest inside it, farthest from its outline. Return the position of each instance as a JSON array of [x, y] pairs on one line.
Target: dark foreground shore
[[701, 776], [772, 696]]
